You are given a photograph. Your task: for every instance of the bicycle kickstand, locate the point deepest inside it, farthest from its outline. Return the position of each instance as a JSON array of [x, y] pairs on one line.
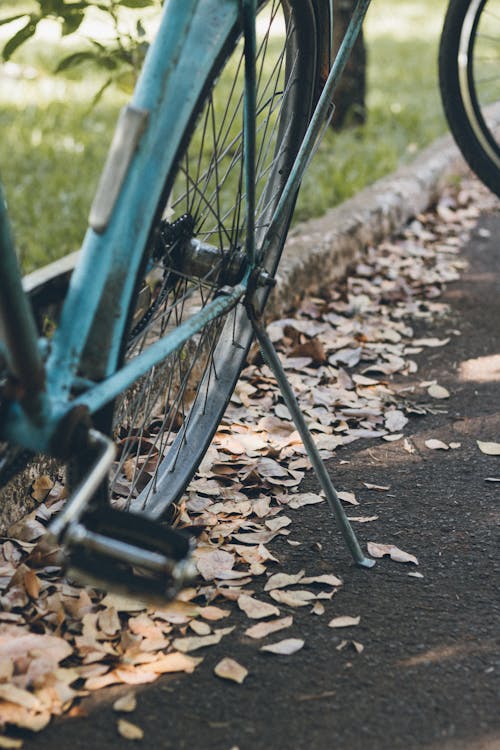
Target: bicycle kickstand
[[117, 549], [272, 360]]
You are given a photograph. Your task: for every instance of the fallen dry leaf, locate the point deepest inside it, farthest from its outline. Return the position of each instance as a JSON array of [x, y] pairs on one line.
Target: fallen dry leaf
[[213, 563], [200, 628], [348, 497], [407, 445], [175, 662], [396, 554], [256, 609], [229, 669], [285, 648], [344, 621], [362, 519], [19, 716], [195, 642], [10, 742], [490, 449], [129, 731], [395, 420], [318, 609], [212, 614], [326, 579], [41, 487], [306, 498], [433, 444], [263, 629], [126, 703], [292, 598], [358, 647], [281, 580], [124, 603], [438, 391]]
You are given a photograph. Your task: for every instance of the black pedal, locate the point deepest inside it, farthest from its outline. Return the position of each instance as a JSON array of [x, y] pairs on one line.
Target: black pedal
[[126, 552]]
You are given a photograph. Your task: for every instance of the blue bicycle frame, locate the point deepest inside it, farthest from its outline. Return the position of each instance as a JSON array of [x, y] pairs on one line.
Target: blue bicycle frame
[[145, 145]]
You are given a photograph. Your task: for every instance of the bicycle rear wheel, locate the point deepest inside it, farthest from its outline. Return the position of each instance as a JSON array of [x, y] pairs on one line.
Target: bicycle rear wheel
[[469, 74], [165, 422]]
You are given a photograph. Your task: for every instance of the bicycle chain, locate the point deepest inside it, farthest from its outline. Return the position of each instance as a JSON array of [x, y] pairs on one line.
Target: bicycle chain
[[168, 237]]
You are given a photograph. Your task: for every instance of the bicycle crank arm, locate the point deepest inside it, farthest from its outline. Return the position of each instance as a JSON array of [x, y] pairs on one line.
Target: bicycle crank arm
[[118, 550], [115, 549]]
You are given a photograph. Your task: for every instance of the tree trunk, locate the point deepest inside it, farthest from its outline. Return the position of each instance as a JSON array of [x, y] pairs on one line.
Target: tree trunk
[[349, 98]]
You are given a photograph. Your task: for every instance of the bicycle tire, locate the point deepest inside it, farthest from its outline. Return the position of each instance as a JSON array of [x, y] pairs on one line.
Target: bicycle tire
[[469, 77], [161, 448]]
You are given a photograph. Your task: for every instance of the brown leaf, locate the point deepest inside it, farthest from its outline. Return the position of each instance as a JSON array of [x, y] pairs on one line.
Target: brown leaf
[[313, 349], [126, 703], [362, 519], [344, 621], [292, 598], [175, 662], [200, 628], [193, 643], [256, 609], [396, 554], [129, 731], [13, 694], [124, 603], [109, 622], [437, 391], [489, 448], [263, 629], [212, 613], [433, 444], [19, 716], [327, 579], [31, 584], [41, 488], [358, 647], [275, 524], [281, 580], [285, 648], [229, 669], [10, 742], [306, 498], [348, 497], [395, 420]]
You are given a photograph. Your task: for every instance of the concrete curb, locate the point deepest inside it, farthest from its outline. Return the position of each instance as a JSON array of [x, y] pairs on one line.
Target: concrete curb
[[319, 251]]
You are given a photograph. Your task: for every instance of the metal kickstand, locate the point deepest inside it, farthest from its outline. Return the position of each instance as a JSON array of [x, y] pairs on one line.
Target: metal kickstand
[[273, 361]]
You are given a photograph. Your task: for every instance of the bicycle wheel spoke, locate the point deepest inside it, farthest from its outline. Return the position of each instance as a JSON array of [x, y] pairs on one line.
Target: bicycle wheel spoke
[[164, 421]]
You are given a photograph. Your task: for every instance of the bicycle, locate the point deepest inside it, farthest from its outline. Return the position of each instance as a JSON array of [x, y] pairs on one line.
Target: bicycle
[[469, 59], [171, 281]]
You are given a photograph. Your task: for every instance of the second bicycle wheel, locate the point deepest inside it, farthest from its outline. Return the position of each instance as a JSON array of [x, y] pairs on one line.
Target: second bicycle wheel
[[469, 69], [164, 424]]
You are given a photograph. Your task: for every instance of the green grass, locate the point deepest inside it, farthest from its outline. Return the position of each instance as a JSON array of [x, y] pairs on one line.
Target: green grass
[[54, 142], [404, 107]]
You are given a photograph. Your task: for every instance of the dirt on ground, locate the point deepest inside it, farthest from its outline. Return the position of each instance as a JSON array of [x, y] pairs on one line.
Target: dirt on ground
[[421, 670]]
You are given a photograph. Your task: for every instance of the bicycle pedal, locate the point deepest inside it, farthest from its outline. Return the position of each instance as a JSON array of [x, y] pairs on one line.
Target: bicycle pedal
[[129, 553]]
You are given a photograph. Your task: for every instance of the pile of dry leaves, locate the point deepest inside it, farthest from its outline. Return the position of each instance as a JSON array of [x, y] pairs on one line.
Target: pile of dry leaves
[[58, 641]]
